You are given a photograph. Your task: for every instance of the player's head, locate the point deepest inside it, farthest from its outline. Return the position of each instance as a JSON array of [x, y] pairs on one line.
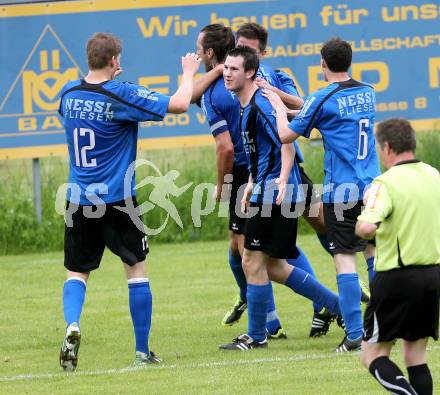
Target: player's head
[[394, 137], [336, 56], [213, 44], [254, 36], [241, 66], [103, 51]]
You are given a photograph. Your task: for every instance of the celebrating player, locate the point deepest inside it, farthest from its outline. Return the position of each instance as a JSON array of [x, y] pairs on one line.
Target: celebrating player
[[222, 111], [344, 114], [255, 36], [101, 121], [270, 233]]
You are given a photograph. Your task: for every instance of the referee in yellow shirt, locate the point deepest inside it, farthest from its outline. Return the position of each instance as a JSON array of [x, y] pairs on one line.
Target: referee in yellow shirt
[[403, 213]]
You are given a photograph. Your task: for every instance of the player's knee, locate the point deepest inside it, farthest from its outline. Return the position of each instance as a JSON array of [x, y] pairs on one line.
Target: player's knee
[[247, 265], [413, 358]]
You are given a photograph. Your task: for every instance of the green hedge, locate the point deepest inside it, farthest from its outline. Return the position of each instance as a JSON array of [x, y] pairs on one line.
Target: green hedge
[[20, 233]]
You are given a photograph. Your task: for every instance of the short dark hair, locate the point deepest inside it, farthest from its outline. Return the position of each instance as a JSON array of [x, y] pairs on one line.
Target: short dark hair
[[101, 47], [254, 31], [250, 58], [219, 38], [337, 54], [398, 133]]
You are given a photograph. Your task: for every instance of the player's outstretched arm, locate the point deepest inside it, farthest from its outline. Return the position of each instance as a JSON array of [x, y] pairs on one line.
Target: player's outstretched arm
[[204, 81], [285, 133], [290, 101], [180, 101], [225, 161]]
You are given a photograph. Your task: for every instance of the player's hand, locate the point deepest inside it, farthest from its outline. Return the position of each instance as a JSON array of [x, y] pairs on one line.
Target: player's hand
[[273, 98], [262, 83], [217, 194], [219, 69], [117, 72], [191, 63], [246, 197], [281, 190], [220, 193]]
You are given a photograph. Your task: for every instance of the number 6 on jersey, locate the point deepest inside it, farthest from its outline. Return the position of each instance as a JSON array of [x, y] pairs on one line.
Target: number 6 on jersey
[[363, 138]]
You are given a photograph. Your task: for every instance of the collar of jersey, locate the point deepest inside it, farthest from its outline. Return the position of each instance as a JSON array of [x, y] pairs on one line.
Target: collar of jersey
[[405, 162], [84, 82]]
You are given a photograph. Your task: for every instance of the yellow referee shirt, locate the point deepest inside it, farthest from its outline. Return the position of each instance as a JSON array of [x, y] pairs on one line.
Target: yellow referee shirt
[[405, 202]]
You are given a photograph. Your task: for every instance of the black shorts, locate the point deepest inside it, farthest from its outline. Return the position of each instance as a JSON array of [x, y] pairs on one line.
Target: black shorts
[[310, 192], [237, 219], [404, 304], [85, 240], [340, 224], [271, 232]]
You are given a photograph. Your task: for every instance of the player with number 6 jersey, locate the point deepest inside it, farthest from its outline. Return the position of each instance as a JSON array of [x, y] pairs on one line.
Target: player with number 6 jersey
[[344, 113]]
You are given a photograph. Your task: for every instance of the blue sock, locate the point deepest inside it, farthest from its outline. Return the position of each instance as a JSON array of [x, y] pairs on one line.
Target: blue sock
[[237, 271], [324, 242], [141, 308], [350, 302], [272, 319], [303, 263], [371, 271], [257, 299], [304, 284], [74, 292]]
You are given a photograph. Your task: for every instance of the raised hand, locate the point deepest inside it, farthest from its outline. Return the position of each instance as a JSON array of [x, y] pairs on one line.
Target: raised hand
[[191, 63]]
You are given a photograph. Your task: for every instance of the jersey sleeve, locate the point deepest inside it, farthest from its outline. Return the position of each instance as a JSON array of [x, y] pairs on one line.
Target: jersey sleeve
[[308, 118], [379, 205], [141, 104], [286, 83], [216, 120]]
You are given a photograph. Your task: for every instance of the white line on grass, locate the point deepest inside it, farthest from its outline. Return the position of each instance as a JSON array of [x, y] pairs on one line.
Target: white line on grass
[[304, 357]]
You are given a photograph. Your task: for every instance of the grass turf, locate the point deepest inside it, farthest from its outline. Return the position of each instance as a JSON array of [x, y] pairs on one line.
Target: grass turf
[[192, 288]]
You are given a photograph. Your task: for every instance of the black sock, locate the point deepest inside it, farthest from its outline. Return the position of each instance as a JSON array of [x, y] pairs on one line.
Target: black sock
[[388, 374], [421, 379]]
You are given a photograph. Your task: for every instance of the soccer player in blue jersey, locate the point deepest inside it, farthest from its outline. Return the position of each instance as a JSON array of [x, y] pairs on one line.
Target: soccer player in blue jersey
[[222, 110], [344, 113], [256, 37], [101, 118], [272, 190]]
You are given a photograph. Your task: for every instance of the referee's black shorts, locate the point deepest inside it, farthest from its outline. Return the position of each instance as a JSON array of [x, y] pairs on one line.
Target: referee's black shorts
[[237, 219], [404, 304], [86, 239], [271, 232]]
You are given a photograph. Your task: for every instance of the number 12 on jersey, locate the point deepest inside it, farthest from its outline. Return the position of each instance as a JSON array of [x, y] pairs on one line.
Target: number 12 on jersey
[[81, 152], [364, 124]]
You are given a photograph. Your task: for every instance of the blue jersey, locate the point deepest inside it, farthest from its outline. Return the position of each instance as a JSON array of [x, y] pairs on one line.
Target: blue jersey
[[101, 124], [222, 110], [344, 114], [287, 84], [263, 149]]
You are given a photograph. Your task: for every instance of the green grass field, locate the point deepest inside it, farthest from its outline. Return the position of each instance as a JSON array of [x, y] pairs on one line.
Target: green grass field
[[192, 288]]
